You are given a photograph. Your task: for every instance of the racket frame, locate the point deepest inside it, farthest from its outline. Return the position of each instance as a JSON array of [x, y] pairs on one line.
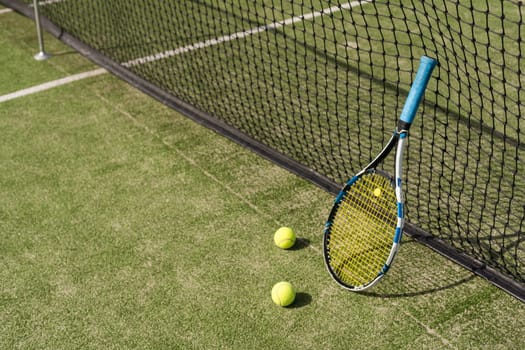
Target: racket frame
[[398, 138]]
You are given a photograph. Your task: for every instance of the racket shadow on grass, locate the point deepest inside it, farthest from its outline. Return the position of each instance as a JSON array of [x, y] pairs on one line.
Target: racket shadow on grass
[[419, 272]]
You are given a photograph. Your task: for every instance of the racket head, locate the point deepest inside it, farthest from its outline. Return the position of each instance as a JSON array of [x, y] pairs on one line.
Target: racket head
[[363, 230]]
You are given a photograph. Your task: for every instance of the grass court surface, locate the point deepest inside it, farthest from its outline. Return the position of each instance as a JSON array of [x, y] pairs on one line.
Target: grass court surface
[[125, 225]]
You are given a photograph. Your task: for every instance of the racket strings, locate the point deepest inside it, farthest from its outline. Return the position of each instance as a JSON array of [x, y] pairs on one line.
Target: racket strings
[[362, 230]]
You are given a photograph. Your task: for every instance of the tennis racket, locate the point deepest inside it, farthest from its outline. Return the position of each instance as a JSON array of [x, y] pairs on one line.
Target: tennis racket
[[364, 228]]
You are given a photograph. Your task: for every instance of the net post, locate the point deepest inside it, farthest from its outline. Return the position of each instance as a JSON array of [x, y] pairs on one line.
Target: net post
[[42, 54]]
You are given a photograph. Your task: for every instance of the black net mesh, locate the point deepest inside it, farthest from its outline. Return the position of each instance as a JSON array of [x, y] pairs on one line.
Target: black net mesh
[[323, 82]]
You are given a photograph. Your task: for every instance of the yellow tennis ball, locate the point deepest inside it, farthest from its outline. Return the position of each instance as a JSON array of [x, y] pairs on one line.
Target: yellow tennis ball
[[284, 238], [377, 192], [283, 293]]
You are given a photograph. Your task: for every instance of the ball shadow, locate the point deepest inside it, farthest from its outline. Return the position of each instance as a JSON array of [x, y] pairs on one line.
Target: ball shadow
[[300, 243], [301, 299]]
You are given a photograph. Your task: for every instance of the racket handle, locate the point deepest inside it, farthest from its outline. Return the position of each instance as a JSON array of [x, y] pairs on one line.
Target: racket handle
[[426, 66]]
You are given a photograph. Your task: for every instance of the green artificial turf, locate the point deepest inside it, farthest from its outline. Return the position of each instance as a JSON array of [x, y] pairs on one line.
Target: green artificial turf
[[124, 225]]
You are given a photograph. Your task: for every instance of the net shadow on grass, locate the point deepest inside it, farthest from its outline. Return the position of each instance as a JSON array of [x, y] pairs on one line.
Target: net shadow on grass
[[412, 276]]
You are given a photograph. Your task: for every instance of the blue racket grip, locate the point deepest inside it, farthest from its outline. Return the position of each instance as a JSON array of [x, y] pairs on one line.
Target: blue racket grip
[[426, 66]]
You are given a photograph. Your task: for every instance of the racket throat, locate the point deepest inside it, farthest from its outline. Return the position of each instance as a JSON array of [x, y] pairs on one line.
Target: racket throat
[[386, 150]]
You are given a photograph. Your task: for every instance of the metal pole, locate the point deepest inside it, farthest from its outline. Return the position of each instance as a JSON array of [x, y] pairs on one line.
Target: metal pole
[[42, 55]]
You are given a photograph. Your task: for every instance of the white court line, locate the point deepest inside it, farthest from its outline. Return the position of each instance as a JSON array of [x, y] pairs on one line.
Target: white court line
[[41, 3], [52, 84], [184, 49], [240, 35], [48, 2]]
